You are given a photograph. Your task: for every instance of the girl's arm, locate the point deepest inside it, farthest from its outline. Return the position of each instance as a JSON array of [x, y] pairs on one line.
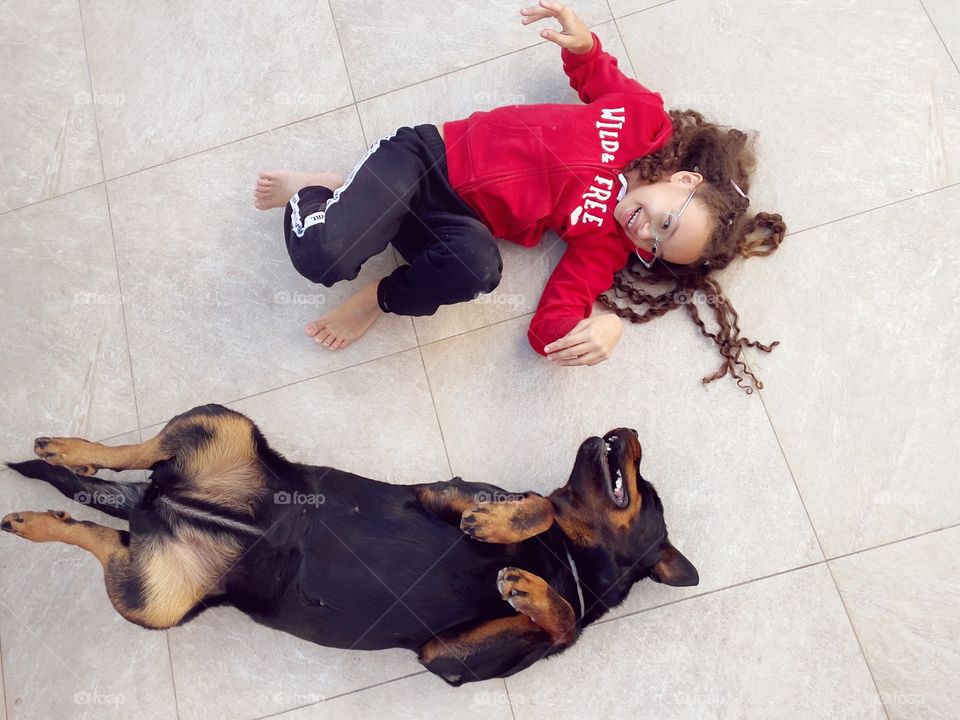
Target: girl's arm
[[562, 328], [593, 72]]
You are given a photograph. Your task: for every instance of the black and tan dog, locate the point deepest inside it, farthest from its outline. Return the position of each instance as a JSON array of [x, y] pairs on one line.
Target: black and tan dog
[[349, 562]]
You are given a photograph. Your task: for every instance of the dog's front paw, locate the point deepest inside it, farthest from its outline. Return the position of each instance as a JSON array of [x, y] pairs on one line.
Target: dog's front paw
[[68, 452], [532, 596], [489, 522], [36, 526], [523, 590]]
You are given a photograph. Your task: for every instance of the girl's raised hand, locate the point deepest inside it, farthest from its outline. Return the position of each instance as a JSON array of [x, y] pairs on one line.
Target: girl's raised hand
[[575, 36]]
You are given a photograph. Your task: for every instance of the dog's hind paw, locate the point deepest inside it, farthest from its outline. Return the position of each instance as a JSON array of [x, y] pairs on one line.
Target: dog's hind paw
[[36, 526], [67, 452]]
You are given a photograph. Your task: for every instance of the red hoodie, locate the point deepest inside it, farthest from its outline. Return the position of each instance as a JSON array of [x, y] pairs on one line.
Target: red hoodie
[[527, 168]]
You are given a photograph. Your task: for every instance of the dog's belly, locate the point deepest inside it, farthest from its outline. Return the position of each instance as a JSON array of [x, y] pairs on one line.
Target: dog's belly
[[396, 589]]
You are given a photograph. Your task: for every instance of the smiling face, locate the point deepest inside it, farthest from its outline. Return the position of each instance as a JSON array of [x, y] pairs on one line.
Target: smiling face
[[645, 203]]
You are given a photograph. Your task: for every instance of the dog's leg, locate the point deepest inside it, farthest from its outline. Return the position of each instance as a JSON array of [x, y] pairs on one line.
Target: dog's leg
[[150, 583], [85, 458], [509, 521], [113, 498], [487, 512], [501, 647]]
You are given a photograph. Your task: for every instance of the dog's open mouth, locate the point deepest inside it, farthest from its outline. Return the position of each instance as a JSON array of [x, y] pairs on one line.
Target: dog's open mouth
[[613, 470]]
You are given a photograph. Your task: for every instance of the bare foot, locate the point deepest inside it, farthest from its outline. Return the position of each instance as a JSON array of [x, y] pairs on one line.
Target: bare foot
[[276, 187], [349, 321]]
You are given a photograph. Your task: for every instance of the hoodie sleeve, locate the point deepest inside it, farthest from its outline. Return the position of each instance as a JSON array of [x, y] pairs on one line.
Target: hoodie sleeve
[[596, 73], [584, 272]]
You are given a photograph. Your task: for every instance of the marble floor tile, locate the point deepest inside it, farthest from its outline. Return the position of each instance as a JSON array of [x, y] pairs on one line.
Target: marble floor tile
[[780, 647], [413, 698], [533, 75], [49, 142], [856, 103], [903, 600], [376, 420], [215, 309], [64, 355], [227, 666], [945, 15], [510, 418], [862, 390], [619, 8], [391, 46], [183, 77], [66, 652]]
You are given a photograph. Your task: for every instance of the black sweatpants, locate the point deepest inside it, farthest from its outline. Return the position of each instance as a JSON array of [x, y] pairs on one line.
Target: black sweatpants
[[399, 193]]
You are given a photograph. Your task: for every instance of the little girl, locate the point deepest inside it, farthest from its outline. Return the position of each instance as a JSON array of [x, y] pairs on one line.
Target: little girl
[[617, 177]]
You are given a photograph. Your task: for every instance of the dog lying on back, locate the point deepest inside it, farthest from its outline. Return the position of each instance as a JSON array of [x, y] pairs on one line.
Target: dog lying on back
[[481, 583]]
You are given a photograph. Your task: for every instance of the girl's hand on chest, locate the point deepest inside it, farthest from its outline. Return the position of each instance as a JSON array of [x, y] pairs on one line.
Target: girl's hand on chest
[[591, 341]]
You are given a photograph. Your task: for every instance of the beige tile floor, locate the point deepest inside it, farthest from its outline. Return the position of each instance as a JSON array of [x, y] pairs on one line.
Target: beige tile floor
[[138, 281]]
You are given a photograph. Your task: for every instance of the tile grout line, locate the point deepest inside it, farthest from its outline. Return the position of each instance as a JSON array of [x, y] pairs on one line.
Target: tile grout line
[[113, 235], [436, 412], [3, 686], [742, 583], [888, 543], [823, 554], [343, 58], [280, 713], [173, 681], [506, 689], [123, 310], [937, 31], [299, 120]]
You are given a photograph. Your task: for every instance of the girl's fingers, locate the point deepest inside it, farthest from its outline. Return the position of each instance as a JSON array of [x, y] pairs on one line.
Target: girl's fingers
[[572, 362], [555, 37], [571, 352]]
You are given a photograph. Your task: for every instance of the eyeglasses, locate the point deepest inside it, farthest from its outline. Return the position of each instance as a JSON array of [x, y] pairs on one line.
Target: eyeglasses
[[664, 229]]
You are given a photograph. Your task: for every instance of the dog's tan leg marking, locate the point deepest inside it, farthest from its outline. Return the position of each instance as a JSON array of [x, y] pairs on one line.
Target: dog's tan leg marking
[[510, 521], [460, 645], [85, 457], [152, 583]]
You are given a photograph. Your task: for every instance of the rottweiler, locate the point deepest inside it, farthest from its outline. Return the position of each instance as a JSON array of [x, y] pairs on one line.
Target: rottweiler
[[479, 581]]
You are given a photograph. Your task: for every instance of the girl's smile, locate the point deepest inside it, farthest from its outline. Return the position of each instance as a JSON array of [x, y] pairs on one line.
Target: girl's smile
[[644, 204]]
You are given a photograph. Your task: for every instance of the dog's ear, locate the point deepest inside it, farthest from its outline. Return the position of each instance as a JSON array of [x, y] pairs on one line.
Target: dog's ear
[[674, 569]]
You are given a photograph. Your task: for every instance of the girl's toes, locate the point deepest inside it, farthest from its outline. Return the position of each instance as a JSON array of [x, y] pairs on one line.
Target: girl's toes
[[326, 338], [313, 328]]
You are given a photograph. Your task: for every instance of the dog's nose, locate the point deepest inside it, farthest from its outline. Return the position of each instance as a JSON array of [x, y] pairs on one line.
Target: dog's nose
[[6, 526]]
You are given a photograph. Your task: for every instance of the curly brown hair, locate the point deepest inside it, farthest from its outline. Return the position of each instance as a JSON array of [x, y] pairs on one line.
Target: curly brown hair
[[720, 154]]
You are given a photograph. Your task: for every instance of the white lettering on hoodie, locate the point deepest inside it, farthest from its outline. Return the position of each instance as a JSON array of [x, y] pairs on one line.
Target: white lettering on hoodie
[[595, 198], [609, 126]]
